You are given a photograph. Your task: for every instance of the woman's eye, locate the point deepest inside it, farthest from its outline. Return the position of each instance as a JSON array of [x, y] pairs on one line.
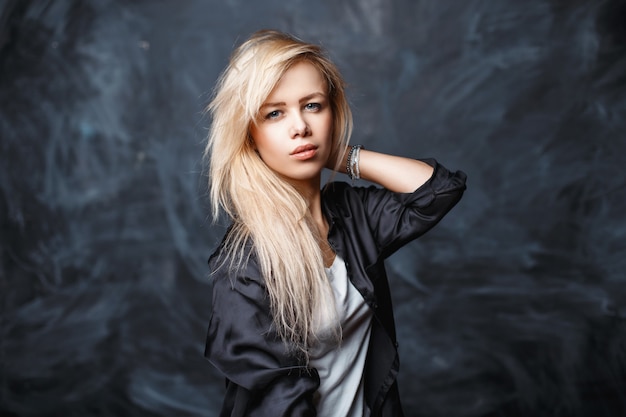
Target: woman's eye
[[313, 106], [272, 115]]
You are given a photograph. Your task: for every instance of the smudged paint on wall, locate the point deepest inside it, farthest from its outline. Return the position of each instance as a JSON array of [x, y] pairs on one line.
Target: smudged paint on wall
[[512, 306]]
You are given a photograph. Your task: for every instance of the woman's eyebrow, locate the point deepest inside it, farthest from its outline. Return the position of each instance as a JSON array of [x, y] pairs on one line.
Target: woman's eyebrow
[[303, 99], [313, 95]]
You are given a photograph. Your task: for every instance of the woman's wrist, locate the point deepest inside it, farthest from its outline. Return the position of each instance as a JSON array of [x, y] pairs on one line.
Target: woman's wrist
[[352, 162]]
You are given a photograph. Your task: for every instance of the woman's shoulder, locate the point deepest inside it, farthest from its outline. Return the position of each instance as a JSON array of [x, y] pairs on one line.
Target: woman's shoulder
[[340, 196], [339, 191]]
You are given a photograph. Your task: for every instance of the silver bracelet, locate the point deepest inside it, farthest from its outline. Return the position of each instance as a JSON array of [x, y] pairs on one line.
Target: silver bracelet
[[353, 169]]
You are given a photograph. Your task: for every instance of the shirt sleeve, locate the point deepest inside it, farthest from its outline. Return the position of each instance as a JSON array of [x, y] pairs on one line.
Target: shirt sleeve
[[243, 346], [397, 218]]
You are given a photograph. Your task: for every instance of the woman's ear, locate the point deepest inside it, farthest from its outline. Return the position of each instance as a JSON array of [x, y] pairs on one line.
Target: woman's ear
[[252, 144], [251, 141]]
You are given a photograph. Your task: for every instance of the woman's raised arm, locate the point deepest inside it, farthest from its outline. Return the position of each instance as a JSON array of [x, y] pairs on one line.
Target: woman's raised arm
[[395, 173]]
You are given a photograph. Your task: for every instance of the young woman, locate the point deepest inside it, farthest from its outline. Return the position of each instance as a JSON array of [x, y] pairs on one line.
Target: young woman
[[302, 321]]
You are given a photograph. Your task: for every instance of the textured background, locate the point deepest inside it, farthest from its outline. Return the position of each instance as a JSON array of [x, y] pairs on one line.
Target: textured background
[[515, 305]]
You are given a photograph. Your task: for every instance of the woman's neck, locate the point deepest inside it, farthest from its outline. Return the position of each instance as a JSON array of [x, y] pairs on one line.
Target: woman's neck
[[313, 196], [310, 191]]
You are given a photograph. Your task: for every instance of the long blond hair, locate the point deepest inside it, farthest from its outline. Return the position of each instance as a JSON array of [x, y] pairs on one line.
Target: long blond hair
[[267, 211]]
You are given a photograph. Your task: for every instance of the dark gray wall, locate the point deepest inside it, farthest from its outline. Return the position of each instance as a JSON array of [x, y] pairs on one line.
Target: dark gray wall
[[513, 306]]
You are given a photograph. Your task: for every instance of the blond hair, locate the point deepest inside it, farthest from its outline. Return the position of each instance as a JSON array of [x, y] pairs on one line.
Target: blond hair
[[266, 210]]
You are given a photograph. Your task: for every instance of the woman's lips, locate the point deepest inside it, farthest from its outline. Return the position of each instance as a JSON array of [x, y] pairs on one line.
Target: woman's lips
[[304, 152]]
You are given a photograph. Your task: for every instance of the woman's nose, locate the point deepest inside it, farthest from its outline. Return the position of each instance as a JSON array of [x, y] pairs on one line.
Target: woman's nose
[[299, 127]]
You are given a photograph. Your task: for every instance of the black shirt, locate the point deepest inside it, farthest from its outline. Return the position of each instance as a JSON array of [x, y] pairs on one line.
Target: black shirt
[[367, 225]]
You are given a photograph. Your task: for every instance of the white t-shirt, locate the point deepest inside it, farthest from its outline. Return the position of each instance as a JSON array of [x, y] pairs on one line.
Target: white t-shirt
[[341, 367]]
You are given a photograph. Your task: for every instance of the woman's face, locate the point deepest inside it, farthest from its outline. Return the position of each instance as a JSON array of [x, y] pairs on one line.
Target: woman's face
[[293, 134]]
